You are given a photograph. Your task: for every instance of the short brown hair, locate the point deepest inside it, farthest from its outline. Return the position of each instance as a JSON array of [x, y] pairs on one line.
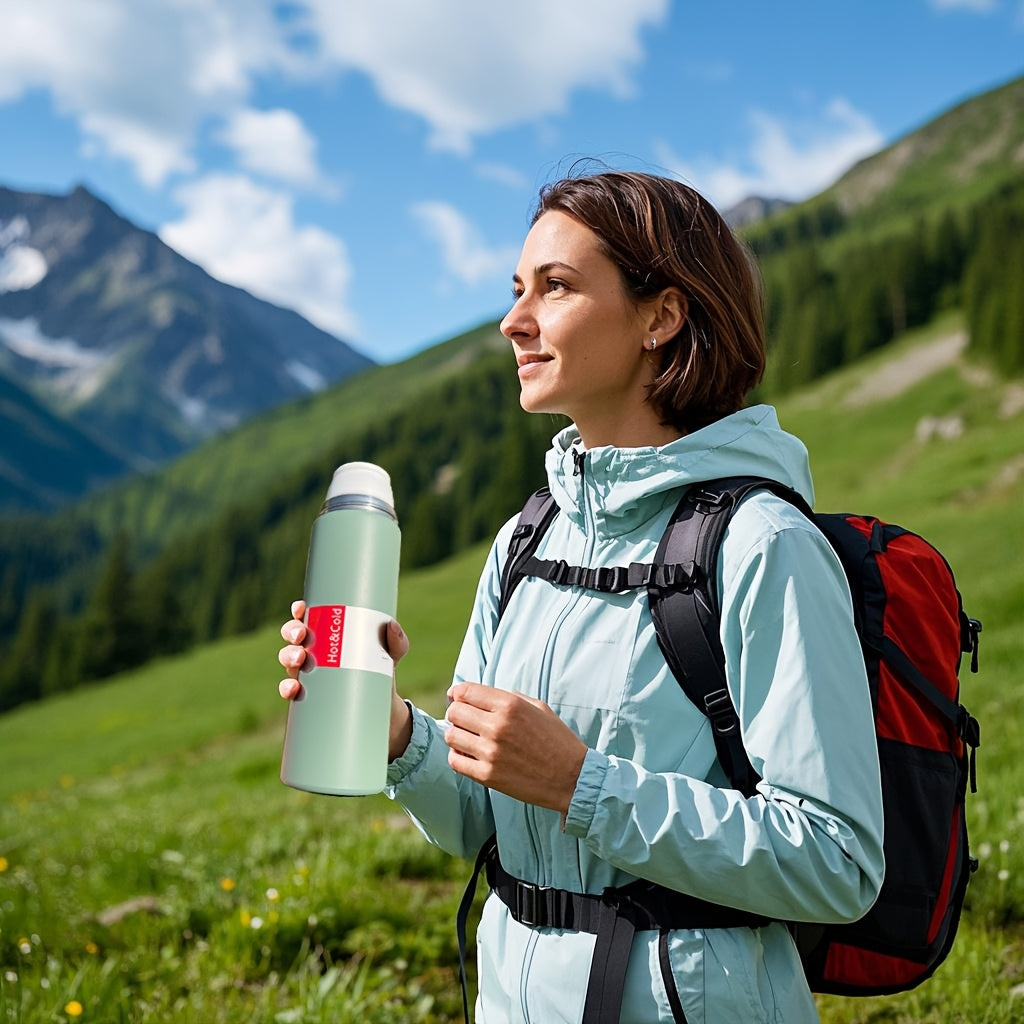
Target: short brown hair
[[661, 233]]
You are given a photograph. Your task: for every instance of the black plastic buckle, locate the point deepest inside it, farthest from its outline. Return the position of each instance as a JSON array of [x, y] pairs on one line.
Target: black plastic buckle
[[718, 707], [611, 579], [639, 574], [705, 500], [559, 572], [675, 576], [533, 904], [970, 641], [522, 532], [970, 729]]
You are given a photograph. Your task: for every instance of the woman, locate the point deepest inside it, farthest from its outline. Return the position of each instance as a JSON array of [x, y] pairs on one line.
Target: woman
[[638, 315]]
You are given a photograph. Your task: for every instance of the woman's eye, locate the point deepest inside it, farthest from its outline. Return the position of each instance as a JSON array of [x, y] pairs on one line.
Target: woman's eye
[[554, 284]]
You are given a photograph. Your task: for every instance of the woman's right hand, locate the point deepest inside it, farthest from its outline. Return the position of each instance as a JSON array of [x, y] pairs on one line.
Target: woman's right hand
[[293, 656]]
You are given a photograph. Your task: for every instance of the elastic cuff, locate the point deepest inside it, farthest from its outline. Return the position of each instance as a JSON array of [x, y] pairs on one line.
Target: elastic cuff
[[584, 800], [402, 767]]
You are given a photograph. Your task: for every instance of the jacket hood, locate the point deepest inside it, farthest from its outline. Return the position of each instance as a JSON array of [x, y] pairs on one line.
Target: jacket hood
[[623, 487]]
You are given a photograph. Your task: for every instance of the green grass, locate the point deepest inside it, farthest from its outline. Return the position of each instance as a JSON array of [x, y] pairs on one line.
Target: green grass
[[258, 903], [262, 903]]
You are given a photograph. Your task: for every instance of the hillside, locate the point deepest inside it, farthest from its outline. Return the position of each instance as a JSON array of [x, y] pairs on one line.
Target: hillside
[[209, 542], [243, 463], [254, 902], [960, 156], [162, 563], [925, 227]]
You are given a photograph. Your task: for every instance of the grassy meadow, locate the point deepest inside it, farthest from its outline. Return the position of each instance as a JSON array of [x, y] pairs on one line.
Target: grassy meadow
[[153, 868]]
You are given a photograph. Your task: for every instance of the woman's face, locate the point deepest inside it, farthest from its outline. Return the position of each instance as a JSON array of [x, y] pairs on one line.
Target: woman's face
[[578, 338]]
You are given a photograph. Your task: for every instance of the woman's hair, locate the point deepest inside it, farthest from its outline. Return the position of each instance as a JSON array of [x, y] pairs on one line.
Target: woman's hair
[[661, 233]]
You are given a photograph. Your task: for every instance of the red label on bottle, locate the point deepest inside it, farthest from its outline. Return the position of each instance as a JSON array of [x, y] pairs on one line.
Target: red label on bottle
[[325, 625]]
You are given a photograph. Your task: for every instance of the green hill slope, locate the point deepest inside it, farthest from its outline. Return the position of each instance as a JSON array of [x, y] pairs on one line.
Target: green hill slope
[[256, 903], [965, 153], [928, 228], [248, 461]]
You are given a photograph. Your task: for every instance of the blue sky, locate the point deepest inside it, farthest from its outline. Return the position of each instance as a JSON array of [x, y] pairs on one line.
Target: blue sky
[[372, 163]]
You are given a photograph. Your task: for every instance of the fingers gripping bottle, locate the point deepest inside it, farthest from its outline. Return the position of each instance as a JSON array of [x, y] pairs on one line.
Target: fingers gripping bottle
[[336, 740]]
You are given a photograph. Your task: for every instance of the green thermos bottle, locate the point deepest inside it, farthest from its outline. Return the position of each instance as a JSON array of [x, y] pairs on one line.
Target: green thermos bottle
[[336, 740]]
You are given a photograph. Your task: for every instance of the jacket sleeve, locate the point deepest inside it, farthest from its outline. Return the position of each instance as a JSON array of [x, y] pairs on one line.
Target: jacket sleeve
[[453, 812], [808, 845]]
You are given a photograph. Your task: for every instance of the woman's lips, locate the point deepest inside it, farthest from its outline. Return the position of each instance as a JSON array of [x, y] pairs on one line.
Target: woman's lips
[[530, 364]]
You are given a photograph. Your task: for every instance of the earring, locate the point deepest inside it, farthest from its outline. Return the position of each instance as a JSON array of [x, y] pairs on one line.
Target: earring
[[653, 343]]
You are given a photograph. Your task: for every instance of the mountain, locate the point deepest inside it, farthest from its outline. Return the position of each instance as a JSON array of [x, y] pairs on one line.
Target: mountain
[[128, 341], [44, 457], [752, 210]]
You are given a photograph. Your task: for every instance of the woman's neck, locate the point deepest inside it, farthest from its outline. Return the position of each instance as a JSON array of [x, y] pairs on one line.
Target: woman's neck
[[641, 433]]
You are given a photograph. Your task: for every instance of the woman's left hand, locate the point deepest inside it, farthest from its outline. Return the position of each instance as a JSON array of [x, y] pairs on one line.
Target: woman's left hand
[[514, 744]]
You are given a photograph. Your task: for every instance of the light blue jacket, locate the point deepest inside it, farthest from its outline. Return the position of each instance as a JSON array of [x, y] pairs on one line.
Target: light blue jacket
[[652, 801]]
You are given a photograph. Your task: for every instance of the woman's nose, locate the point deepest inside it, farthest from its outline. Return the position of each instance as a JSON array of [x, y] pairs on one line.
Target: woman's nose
[[517, 322]]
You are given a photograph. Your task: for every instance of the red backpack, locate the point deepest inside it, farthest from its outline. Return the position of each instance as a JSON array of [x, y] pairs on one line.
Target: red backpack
[[913, 633]]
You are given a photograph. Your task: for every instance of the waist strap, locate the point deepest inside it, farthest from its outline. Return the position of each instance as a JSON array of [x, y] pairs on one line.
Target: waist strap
[[645, 905], [613, 916]]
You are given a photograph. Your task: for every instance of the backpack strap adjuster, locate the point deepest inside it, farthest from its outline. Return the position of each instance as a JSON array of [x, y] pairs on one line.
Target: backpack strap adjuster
[[969, 639], [969, 731], [719, 709], [534, 905]]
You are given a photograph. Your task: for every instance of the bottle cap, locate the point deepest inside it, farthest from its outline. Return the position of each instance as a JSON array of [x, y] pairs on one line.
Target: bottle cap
[[362, 478]]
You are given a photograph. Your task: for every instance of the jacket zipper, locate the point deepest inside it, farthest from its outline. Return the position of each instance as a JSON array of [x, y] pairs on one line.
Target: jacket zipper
[[579, 459]]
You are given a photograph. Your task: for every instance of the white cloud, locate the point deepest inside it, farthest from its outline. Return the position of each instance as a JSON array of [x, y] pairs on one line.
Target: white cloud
[[979, 6], [154, 152], [274, 143], [502, 174], [470, 68], [245, 234], [786, 160], [140, 78], [466, 255]]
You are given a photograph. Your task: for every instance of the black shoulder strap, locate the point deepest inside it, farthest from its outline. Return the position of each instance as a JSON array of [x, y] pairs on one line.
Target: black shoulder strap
[[684, 602], [686, 619], [537, 515]]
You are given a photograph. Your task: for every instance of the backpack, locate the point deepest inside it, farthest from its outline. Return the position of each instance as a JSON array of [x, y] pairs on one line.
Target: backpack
[[913, 632]]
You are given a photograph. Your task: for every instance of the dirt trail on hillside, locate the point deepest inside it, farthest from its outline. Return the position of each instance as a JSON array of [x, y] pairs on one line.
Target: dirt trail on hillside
[[911, 368]]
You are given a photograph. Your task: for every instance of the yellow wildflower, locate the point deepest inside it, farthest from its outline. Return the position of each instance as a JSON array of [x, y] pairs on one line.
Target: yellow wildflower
[[74, 1008], [4, 864], [227, 884], [92, 948]]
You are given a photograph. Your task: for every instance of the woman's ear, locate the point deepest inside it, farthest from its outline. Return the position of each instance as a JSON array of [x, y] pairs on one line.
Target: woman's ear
[[668, 313]]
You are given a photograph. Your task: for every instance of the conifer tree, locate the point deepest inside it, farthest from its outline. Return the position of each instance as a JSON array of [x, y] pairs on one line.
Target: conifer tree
[[113, 633], [25, 665]]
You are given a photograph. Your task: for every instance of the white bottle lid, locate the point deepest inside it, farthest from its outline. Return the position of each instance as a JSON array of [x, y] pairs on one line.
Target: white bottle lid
[[363, 478]]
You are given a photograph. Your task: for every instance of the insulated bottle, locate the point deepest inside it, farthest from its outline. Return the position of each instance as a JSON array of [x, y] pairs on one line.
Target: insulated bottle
[[336, 740]]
